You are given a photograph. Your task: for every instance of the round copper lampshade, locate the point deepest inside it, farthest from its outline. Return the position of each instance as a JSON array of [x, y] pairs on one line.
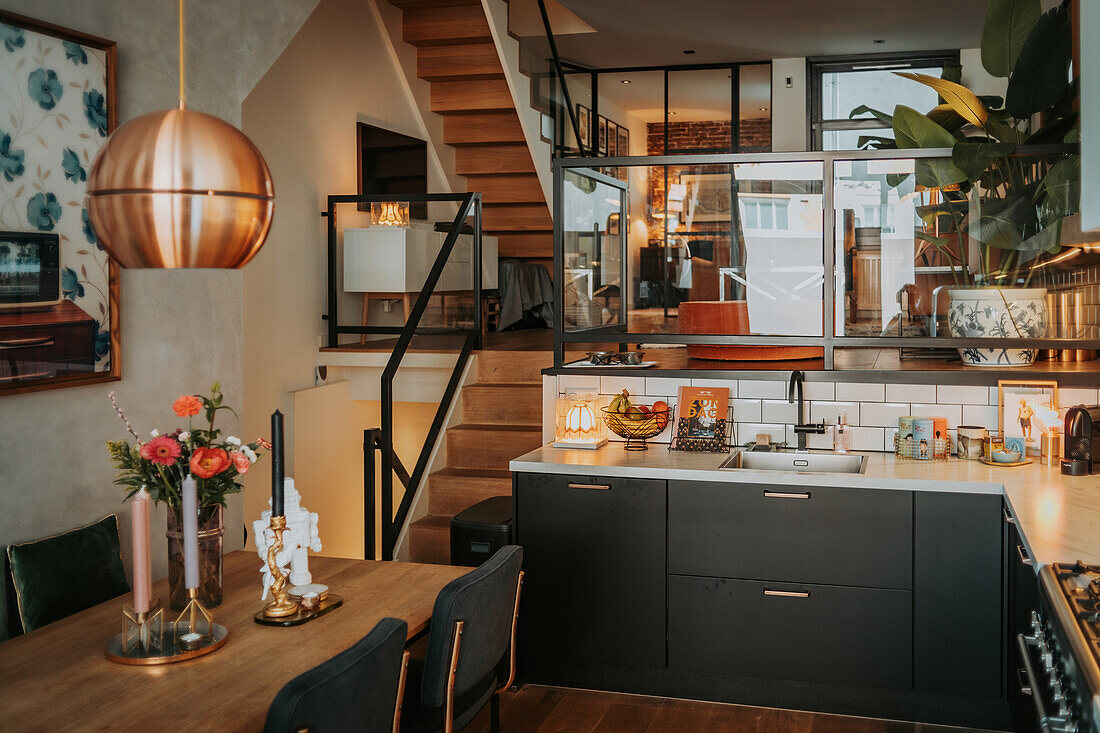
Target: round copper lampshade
[[180, 188]]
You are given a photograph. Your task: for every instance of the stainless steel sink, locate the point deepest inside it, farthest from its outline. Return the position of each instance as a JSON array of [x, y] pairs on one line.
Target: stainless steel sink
[[797, 462]]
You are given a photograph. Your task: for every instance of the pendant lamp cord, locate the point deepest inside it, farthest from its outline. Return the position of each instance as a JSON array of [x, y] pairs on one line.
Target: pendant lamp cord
[[182, 72]]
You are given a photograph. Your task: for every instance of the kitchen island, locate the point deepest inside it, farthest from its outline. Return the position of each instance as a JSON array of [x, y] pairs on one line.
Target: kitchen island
[[889, 593]]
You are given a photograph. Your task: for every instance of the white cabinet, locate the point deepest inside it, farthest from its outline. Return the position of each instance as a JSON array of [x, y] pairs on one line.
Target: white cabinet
[[384, 259]]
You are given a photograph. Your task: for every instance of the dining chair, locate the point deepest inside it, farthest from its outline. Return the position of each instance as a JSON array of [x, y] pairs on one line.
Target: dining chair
[[357, 691], [60, 575], [471, 656]]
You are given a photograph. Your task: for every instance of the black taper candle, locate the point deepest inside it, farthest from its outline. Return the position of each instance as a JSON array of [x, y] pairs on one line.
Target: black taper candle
[[277, 464]]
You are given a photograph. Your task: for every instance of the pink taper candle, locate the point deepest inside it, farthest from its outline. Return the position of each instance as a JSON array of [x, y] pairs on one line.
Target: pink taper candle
[[190, 510], [140, 507]]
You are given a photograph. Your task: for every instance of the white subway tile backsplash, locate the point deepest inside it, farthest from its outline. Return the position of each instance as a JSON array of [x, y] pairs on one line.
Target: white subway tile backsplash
[[778, 411], [961, 394], [746, 410], [860, 392], [816, 390], [993, 395], [910, 393], [578, 383], [730, 383], [762, 389], [830, 411], [953, 413], [1073, 396], [868, 438], [982, 415], [881, 414], [820, 441], [663, 387], [747, 431], [614, 385]]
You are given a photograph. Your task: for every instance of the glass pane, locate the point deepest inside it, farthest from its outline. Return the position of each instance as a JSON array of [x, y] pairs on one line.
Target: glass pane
[[754, 128], [699, 108], [629, 102], [580, 92], [849, 139], [593, 242], [882, 89]]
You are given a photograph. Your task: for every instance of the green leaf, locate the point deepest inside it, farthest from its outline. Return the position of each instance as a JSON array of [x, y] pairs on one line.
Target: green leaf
[[961, 99], [1007, 26], [1002, 222], [893, 180], [1047, 240], [1060, 191], [937, 172], [1041, 73], [952, 73], [864, 109], [1004, 132], [914, 130], [974, 158], [946, 117], [877, 141], [1053, 132], [1074, 135], [991, 101]]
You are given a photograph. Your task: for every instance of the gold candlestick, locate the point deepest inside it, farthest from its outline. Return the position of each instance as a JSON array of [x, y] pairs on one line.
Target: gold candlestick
[[144, 630], [192, 614], [281, 605]]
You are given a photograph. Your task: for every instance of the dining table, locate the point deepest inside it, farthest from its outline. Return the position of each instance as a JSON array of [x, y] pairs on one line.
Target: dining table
[[58, 677]]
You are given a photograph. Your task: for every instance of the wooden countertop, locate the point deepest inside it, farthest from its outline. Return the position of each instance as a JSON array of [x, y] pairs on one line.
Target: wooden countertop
[[1059, 516], [57, 677]]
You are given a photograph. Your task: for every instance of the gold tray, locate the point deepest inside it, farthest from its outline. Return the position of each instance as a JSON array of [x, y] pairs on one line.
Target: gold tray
[[329, 602], [170, 651], [988, 462]]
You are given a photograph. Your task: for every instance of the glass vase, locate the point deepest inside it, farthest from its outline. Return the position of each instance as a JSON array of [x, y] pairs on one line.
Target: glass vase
[[211, 539]]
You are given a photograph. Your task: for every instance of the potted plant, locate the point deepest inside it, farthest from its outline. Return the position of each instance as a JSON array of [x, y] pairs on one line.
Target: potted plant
[[994, 217], [162, 462]]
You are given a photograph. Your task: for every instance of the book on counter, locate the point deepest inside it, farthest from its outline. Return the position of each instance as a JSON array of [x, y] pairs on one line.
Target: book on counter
[[701, 419]]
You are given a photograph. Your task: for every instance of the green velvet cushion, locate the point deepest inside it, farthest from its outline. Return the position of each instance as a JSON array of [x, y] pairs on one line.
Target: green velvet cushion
[[61, 575]]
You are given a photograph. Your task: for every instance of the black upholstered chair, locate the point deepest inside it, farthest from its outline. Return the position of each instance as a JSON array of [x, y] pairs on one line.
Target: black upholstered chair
[[58, 576], [471, 648], [357, 691]]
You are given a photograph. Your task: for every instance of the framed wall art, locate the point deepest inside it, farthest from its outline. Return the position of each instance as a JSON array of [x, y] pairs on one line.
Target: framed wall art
[[612, 139], [584, 122], [601, 135], [1027, 410], [59, 299], [623, 142]]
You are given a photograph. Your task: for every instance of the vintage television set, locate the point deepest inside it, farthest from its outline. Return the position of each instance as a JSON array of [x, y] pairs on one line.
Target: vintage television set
[[30, 270]]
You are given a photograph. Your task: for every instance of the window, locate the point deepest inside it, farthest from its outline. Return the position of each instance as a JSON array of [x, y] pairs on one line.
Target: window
[[839, 86]]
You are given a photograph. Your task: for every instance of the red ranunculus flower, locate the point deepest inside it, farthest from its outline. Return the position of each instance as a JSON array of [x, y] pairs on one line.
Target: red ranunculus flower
[[187, 405], [206, 462], [161, 449]]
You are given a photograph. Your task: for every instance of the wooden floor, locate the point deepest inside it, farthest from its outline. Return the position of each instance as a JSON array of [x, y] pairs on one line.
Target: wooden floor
[[536, 709]]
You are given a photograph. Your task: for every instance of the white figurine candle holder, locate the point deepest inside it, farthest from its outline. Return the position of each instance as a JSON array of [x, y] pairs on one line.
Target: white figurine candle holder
[[299, 538]]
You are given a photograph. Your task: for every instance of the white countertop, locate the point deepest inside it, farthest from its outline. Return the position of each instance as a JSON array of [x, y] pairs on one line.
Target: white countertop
[[1059, 516]]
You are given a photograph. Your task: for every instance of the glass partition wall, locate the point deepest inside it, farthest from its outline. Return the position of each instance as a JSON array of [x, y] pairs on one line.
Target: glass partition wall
[[821, 260]]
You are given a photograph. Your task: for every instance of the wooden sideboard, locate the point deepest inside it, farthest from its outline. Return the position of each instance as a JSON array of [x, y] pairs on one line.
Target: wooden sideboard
[[40, 344]]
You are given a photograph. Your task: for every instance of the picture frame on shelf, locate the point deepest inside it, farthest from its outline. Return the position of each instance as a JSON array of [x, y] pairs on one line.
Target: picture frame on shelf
[[1026, 410], [56, 280], [612, 139], [584, 122], [601, 135], [622, 144]]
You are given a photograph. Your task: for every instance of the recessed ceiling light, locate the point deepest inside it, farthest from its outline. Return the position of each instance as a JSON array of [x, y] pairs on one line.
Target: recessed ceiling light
[[880, 40], [689, 51], [624, 81], [762, 109]]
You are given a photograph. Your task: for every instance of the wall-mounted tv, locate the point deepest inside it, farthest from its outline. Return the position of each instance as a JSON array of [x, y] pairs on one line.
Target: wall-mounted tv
[[392, 163], [30, 270]]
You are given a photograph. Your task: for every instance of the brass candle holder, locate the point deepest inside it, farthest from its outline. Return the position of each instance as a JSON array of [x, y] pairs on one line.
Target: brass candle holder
[[194, 614], [281, 605], [143, 631]]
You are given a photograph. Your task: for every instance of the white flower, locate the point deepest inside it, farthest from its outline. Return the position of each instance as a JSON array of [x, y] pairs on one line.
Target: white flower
[[233, 440], [184, 436], [154, 432], [249, 454]]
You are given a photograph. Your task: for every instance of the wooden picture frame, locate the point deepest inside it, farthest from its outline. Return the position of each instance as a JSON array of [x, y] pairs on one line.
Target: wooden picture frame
[[623, 143], [601, 135], [1039, 400], [612, 139], [76, 341], [584, 122]]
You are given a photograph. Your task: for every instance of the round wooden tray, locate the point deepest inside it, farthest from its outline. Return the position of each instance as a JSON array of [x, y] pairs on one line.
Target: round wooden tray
[[986, 461], [170, 651]]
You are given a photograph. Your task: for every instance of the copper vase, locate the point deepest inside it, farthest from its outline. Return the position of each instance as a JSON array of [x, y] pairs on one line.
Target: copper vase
[[211, 540]]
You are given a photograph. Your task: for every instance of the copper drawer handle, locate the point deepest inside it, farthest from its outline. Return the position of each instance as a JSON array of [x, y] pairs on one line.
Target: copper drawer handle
[[26, 343], [786, 495], [1025, 558], [597, 487], [1009, 519], [787, 593]]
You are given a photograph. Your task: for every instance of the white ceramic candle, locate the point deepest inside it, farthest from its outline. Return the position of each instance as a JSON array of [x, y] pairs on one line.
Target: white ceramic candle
[[143, 563], [190, 509]]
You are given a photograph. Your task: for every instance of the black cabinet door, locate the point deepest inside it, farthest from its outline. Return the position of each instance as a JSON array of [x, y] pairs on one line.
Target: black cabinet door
[[957, 594], [817, 633], [828, 535], [595, 569], [1021, 598]]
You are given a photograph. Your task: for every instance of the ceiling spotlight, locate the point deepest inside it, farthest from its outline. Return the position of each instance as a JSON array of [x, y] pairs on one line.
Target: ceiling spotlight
[[879, 40], [762, 109], [624, 81], [689, 51]]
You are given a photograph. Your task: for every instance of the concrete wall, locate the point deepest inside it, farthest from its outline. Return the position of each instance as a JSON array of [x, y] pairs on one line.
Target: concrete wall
[[181, 330]]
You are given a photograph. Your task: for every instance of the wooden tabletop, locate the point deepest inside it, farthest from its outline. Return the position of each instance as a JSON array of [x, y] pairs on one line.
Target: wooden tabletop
[[57, 678]]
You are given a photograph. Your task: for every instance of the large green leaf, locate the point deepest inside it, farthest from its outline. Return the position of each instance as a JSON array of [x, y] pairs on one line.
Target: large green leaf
[[1047, 240], [876, 142], [864, 109], [1060, 192], [961, 99], [946, 117], [1053, 132], [914, 130], [1007, 25], [1041, 74], [974, 158], [1003, 222]]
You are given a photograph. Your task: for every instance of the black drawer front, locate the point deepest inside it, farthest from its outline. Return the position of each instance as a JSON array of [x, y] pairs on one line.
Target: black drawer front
[[815, 633], [835, 536]]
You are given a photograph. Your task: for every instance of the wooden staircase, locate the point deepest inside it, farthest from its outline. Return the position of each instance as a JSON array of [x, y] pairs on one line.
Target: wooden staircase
[[501, 419], [456, 55]]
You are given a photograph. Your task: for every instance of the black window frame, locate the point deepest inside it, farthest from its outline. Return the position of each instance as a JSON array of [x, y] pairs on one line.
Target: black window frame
[[817, 67]]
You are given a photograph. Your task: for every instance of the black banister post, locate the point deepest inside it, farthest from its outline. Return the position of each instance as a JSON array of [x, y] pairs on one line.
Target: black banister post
[[333, 319], [370, 444]]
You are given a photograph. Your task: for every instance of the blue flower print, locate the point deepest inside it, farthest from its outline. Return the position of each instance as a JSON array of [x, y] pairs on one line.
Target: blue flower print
[[70, 284], [102, 341], [70, 163], [11, 36], [75, 53], [89, 233], [44, 87], [95, 109], [11, 161], [43, 211]]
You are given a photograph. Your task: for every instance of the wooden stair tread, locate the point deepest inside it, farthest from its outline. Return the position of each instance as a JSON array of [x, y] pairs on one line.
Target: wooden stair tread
[[403, 4], [490, 428], [433, 522], [488, 473], [465, 61], [446, 25], [516, 188], [481, 128], [504, 385]]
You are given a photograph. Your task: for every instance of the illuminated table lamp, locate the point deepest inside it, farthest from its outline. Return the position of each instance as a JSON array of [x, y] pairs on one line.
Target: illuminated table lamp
[[389, 213], [577, 424]]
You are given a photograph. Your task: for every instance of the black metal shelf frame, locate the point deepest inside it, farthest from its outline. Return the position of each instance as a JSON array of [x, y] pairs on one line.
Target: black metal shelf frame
[[828, 341]]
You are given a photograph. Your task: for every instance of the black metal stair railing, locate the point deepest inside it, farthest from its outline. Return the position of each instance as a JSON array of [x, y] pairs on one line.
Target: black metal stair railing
[[378, 445]]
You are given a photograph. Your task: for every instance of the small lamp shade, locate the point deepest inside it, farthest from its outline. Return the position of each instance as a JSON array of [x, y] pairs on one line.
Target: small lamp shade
[[577, 424], [179, 188], [389, 213]]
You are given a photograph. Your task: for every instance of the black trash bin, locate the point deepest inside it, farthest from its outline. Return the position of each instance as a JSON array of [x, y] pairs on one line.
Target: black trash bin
[[481, 530]]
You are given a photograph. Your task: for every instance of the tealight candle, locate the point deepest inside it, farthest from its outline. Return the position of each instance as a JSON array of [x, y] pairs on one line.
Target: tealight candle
[[310, 601], [190, 642]]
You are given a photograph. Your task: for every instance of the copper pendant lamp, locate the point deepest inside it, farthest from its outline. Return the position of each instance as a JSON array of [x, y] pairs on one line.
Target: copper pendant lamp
[[180, 189]]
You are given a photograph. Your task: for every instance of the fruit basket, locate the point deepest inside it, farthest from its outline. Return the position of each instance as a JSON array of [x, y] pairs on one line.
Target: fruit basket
[[637, 427]]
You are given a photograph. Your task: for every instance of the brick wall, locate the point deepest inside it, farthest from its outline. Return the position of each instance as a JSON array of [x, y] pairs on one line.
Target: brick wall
[[755, 135]]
